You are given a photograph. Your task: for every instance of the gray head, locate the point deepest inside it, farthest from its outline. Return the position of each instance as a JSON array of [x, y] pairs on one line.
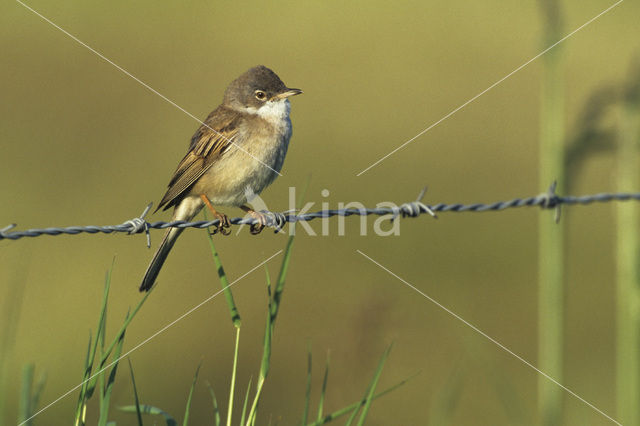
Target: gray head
[[255, 88]]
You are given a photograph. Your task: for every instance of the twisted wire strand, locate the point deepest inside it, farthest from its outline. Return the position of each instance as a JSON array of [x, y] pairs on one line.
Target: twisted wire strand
[[548, 200]]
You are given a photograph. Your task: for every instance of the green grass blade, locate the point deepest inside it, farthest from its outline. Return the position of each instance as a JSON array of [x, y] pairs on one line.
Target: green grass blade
[[445, 401], [265, 363], [149, 409], [307, 396], [101, 385], [193, 386], [80, 402], [37, 393], [101, 377], [267, 276], [88, 385], [324, 390], [224, 281], [273, 306], [372, 386], [246, 401], [266, 356], [277, 294], [29, 394], [253, 412], [106, 400], [350, 408], [284, 268], [123, 328], [233, 377], [135, 394], [214, 400], [268, 338], [91, 381], [99, 335], [24, 406], [354, 413]]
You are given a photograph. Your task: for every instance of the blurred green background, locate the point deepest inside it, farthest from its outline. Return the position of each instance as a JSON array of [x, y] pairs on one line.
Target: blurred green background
[[82, 143]]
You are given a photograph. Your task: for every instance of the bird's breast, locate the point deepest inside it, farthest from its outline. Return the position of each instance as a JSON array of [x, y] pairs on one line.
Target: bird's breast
[[252, 163]]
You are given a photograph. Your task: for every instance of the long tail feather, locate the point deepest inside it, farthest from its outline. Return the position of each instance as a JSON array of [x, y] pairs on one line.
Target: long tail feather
[[185, 210], [158, 259]]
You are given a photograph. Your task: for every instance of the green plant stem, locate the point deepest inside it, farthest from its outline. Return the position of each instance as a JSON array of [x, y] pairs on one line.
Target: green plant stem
[[551, 235], [136, 399], [105, 400], [273, 306], [233, 377], [244, 405], [264, 365], [224, 281], [372, 388], [123, 329], [25, 408], [324, 390], [277, 294], [356, 405], [628, 273], [187, 410], [307, 397], [214, 402]]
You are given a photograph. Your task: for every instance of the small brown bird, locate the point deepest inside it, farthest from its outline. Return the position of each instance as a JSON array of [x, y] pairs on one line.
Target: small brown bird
[[237, 152]]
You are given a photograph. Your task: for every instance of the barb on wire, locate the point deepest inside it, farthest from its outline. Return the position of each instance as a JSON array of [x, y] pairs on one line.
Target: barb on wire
[[138, 224], [551, 201], [547, 200], [413, 209]]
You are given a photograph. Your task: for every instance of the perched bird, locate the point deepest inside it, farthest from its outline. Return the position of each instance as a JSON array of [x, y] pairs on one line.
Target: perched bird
[[237, 152]]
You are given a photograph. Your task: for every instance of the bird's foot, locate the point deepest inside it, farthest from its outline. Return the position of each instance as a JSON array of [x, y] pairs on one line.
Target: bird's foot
[[223, 224], [261, 218]]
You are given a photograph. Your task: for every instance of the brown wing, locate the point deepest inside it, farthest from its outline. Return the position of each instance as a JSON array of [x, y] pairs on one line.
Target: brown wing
[[208, 143]]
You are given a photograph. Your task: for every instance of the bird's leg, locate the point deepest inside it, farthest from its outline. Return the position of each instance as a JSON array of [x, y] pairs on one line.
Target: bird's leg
[[224, 220], [256, 228]]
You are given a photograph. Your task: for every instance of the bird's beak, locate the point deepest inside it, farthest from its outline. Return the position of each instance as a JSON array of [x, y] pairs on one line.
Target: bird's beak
[[289, 92]]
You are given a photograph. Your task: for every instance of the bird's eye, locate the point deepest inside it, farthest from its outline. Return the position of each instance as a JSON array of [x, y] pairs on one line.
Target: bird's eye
[[260, 95]]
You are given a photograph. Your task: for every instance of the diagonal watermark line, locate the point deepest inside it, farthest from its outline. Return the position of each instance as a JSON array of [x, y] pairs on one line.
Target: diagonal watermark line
[[163, 329], [490, 87], [145, 85], [477, 330]]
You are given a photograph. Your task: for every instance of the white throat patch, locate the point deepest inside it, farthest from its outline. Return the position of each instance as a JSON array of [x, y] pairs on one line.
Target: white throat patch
[[273, 111]]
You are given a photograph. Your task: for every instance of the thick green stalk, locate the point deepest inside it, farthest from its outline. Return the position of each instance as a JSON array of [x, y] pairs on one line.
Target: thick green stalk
[[551, 235], [628, 273], [233, 377]]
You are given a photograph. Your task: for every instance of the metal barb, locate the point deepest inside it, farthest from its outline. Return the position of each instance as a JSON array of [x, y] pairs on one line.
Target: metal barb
[[6, 229], [550, 200], [139, 224], [427, 208], [413, 208], [422, 192]]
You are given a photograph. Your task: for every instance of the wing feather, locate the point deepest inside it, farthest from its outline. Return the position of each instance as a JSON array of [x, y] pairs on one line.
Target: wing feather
[[207, 145]]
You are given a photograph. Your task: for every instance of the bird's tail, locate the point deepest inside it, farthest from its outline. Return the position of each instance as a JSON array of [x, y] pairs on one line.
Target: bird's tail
[[158, 259]]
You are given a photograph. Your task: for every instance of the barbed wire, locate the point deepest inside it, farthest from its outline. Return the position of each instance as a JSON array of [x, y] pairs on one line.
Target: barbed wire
[[547, 200]]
